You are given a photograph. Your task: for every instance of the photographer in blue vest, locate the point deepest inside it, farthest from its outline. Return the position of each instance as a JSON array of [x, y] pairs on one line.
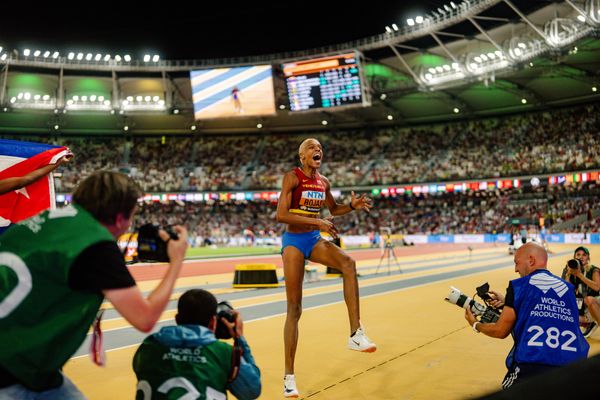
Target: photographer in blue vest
[[540, 311]]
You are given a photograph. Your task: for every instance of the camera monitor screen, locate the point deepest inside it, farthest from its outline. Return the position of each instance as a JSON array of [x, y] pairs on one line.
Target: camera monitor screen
[[325, 82], [233, 92]]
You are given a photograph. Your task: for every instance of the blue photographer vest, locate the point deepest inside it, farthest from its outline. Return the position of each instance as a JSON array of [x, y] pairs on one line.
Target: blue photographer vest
[[547, 326]]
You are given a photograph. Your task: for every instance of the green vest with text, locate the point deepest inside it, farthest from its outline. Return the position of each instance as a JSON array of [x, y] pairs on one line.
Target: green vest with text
[[168, 373], [42, 321]]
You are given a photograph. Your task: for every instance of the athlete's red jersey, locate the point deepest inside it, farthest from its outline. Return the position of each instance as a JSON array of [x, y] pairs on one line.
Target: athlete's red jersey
[[309, 196]]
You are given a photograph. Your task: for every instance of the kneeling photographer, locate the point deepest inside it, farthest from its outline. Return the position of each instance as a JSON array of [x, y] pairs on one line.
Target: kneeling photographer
[[189, 358], [540, 311], [586, 279]]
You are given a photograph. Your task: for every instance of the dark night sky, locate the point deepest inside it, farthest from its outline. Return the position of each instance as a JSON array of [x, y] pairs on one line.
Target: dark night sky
[[194, 31]]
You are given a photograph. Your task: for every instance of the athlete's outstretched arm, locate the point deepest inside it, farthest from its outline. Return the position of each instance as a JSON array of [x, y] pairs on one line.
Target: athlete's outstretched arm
[[356, 203], [290, 181]]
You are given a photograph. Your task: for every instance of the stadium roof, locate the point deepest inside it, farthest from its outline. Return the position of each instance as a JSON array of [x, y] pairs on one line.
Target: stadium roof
[[195, 30], [397, 62]]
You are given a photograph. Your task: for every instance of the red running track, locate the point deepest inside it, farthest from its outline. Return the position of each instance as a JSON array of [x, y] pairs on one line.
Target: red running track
[[223, 265]]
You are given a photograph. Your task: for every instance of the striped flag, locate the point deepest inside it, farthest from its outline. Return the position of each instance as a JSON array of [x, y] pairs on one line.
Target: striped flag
[[18, 159]]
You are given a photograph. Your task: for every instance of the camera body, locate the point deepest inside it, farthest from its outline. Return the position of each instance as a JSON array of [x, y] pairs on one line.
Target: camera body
[[487, 313], [224, 310], [150, 245], [574, 264]]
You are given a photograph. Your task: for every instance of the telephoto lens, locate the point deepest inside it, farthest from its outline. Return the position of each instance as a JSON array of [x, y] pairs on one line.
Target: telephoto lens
[[574, 263]]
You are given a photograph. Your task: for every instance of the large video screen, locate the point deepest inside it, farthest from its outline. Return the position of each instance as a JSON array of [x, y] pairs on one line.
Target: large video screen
[[325, 82], [233, 92]]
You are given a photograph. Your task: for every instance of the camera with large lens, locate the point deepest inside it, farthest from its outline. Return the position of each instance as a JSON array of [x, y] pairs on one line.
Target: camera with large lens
[[486, 312], [151, 247], [224, 310], [574, 264]]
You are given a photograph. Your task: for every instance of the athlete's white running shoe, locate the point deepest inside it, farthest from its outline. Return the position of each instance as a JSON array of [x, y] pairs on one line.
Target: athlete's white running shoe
[[289, 386], [360, 342]]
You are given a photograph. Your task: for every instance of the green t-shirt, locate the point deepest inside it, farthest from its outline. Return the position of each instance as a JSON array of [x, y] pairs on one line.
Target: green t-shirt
[[171, 372], [42, 321]]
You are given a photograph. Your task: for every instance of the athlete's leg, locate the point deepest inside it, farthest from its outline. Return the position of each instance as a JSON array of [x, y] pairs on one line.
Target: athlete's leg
[[329, 254], [293, 269]]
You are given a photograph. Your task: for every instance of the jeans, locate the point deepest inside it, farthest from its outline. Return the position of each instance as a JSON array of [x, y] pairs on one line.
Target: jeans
[[66, 391]]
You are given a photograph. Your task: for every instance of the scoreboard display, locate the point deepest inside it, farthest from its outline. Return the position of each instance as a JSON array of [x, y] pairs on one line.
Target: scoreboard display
[[324, 83]]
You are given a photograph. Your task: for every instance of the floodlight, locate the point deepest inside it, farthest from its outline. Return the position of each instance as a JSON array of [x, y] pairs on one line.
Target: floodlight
[[259, 125], [388, 29], [46, 97], [419, 19], [46, 54], [176, 111], [138, 98], [88, 56], [127, 58], [146, 58], [129, 98], [456, 110], [390, 117], [55, 55], [69, 102], [193, 127], [107, 103], [75, 98], [155, 58], [56, 127], [93, 97], [324, 122], [27, 96], [147, 98], [101, 99], [446, 67], [439, 69], [428, 76], [395, 27], [71, 56], [581, 18], [98, 57], [107, 57], [80, 56], [477, 59], [84, 98], [410, 22], [155, 98], [125, 128], [118, 58], [524, 101], [3, 57], [26, 52], [594, 89], [37, 97]]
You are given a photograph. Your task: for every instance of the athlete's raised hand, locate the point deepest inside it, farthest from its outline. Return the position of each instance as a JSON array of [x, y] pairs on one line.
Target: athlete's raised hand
[[361, 202]]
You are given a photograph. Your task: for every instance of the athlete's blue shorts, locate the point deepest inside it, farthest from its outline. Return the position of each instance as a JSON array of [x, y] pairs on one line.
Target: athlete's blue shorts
[[305, 242]]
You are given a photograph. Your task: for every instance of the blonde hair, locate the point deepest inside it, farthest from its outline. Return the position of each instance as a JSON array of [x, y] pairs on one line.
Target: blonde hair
[[105, 194], [304, 145]]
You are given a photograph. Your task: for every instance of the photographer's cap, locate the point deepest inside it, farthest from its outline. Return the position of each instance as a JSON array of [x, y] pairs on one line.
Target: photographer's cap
[[585, 250]]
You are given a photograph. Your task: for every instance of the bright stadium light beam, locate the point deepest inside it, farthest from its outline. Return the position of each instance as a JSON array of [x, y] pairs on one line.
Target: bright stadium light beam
[[107, 57], [419, 19], [388, 29], [127, 58], [155, 58], [147, 58], [80, 56], [524, 101], [71, 56], [37, 53], [581, 18], [98, 57], [46, 54], [26, 52], [88, 56], [395, 27], [55, 55], [410, 22]]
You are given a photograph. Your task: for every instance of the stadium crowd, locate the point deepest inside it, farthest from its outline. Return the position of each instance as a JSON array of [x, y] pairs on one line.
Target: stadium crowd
[[218, 222], [541, 142]]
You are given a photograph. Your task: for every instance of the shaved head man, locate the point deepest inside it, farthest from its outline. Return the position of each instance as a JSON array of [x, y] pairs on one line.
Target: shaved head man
[[540, 311]]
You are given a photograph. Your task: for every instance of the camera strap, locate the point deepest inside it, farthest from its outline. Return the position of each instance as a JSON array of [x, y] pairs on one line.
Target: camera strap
[[236, 359]]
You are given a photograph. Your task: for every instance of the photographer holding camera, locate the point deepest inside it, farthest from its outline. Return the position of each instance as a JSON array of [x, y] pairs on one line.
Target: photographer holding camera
[[188, 358], [540, 311], [56, 269], [586, 279]]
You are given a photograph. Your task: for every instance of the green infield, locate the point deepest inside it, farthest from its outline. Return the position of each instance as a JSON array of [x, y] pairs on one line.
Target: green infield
[[208, 252]]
